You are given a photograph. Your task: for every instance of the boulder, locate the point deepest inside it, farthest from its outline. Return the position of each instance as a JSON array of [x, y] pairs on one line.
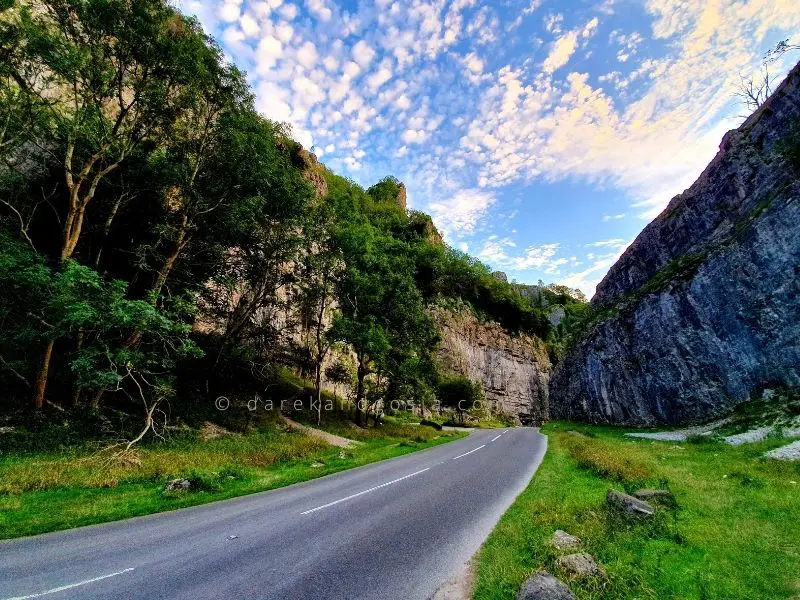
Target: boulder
[[543, 586], [579, 566], [629, 504], [178, 485], [561, 540]]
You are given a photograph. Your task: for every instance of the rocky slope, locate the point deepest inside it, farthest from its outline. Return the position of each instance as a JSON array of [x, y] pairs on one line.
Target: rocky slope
[[514, 370], [703, 309]]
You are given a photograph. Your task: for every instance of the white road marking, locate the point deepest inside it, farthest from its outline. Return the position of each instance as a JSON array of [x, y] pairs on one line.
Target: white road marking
[[372, 489], [71, 585], [497, 437], [470, 452]]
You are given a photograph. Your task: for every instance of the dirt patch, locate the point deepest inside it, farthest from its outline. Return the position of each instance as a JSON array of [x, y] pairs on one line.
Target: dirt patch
[[329, 438]]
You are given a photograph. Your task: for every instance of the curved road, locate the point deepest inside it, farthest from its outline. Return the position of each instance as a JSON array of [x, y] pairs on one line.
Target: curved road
[[392, 530]]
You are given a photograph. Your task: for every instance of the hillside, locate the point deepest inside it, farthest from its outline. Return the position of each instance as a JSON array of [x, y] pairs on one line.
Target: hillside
[[162, 243], [700, 312]]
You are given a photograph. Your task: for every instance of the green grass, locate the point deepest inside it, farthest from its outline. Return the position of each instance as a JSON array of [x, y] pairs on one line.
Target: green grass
[[731, 532], [42, 492]]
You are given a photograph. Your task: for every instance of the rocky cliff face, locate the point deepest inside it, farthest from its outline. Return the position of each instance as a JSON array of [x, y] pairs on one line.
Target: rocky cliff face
[[514, 370], [703, 309]]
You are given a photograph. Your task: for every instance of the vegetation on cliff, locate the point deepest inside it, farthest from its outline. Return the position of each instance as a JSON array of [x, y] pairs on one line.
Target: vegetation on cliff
[[162, 243]]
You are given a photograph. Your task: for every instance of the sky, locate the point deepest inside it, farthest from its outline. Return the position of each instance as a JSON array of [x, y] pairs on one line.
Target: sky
[[541, 135]]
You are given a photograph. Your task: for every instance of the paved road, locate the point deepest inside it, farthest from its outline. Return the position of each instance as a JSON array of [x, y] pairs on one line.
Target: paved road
[[395, 530]]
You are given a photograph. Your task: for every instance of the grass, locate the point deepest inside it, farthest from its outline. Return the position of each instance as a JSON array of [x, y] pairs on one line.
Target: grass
[[730, 533], [42, 492]]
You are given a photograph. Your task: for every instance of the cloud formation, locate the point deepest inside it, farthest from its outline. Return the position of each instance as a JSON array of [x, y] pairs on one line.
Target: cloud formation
[[466, 100]]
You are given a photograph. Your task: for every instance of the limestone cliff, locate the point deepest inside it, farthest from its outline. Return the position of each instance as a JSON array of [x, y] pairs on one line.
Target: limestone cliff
[[703, 309], [514, 370]]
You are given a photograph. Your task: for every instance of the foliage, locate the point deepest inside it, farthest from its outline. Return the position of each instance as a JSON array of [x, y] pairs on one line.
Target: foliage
[[460, 394], [160, 240]]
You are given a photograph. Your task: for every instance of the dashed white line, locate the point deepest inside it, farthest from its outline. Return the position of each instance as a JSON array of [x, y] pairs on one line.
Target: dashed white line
[[372, 489], [71, 585], [470, 452], [497, 437]]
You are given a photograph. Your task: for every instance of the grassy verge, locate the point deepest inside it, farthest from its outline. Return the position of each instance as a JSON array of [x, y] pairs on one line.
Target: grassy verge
[[731, 532], [42, 492]]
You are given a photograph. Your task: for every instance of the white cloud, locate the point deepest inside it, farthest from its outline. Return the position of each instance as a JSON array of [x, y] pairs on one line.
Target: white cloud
[[307, 55], [319, 10], [230, 11], [363, 54], [495, 252], [381, 76], [561, 51], [461, 211], [614, 217], [612, 243], [414, 136]]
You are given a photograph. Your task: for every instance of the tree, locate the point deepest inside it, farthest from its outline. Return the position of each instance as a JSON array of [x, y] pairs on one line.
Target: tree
[[339, 373], [323, 267], [460, 394], [100, 79]]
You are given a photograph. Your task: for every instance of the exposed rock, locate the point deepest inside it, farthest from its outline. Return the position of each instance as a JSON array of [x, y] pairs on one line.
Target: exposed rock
[[500, 276], [648, 493], [178, 485], [556, 315], [313, 172], [629, 504], [514, 370], [788, 452], [700, 312], [579, 566], [561, 540], [401, 196], [543, 586]]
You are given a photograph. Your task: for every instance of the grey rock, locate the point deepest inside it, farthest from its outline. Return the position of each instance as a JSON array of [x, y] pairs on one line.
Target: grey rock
[[701, 309], [556, 315], [543, 586], [178, 485], [579, 566], [501, 276], [514, 370], [629, 504], [646, 493], [561, 540]]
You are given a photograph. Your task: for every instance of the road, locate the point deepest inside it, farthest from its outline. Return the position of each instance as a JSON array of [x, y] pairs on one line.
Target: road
[[394, 530]]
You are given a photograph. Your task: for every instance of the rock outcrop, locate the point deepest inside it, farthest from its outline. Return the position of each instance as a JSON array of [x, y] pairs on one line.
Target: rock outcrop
[[703, 309], [514, 370]]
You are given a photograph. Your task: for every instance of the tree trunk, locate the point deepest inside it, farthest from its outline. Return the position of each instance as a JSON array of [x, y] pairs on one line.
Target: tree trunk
[[318, 390], [41, 378], [362, 371]]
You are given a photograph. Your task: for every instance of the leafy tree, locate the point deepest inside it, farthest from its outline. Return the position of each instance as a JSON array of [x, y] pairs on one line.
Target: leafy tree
[[460, 394]]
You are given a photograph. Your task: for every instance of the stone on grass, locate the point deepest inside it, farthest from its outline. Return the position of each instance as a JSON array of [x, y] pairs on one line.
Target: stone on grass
[[579, 566], [649, 493], [543, 586], [178, 485], [629, 504], [561, 540]]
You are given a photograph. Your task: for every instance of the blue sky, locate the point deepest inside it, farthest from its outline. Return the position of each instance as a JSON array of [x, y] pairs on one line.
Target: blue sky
[[542, 136]]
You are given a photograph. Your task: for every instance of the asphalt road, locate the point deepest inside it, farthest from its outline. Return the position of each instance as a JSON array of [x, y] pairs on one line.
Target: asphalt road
[[394, 530]]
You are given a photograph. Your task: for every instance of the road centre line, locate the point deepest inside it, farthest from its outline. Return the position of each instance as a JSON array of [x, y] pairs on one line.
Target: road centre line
[[372, 489], [71, 585], [497, 437], [470, 452]]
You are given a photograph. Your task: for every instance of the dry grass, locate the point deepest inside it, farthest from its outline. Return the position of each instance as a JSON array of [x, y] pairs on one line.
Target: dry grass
[[154, 462]]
